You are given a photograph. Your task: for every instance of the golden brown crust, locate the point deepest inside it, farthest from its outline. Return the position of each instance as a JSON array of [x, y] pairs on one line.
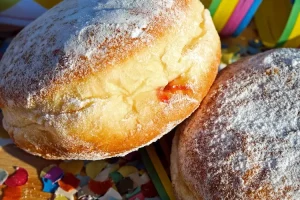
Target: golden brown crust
[[243, 141], [124, 100]]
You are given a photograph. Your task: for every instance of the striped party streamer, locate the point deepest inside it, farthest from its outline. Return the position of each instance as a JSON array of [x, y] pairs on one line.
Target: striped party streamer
[[231, 17], [291, 34], [223, 13], [278, 23], [157, 172], [237, 16], [247, 18]]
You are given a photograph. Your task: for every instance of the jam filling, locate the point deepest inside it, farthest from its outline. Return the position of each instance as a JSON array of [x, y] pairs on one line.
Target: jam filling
[[164, 94]]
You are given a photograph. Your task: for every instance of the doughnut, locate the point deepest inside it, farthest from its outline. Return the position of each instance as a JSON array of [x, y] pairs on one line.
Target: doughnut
[[243, 142], [97, 79]]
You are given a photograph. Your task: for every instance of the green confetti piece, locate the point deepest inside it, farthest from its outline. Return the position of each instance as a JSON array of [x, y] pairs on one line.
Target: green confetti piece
[[115, 176]]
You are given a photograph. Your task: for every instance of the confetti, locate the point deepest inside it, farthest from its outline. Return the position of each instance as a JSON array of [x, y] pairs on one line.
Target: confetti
[[86, 192], [139, 180], [113, 167], [252, 50], [114, 187], [60, 197], [3, 176], [145, 178], [222, 66], [73, 167], [94, 168], [255, 43], [138, 196], [12, 193], [125, 185], [149, 190], [111, 194], [68, 182], [69, 194], [45, 170], [103, 176], [126, 170], [134, 192], [142, 171], [49, 186], [135, 177], [20, 177], [227, 57], [54, 174], [115, 176], [98, 187], [84, 180], [86, 197], [110, 179]]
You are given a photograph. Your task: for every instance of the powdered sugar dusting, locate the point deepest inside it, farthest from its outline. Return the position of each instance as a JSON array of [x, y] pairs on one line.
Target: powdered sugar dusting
[[247, 144], [77, 38]]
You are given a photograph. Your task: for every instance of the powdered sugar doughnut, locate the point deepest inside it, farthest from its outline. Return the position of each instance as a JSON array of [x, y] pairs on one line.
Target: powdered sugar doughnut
[[95, 79], [244, 140]]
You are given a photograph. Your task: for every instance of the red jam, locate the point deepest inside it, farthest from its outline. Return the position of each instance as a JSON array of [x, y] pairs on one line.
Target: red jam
[[165, 93]]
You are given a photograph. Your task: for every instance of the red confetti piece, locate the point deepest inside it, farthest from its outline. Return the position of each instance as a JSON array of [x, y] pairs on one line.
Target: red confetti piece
[[149, 190], [69, 182], [12, 193], [20, 177], [100, 188]]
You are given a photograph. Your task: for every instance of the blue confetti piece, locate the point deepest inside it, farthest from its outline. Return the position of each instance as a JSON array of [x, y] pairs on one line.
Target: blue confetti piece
[[252, 50], [246, 20], [49, 186], [84, 180], [255, 43]]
